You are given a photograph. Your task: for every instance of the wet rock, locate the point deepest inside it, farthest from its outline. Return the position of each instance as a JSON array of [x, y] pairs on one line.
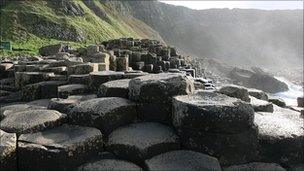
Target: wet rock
[[256, 166], [98, 78], [105, 114], [235, 91], [31, 121], [261, 105], [277, 101], [109, 165], [159, 87], [212, 112], [60, 148], [79, 79], [259, 94], [183, 160], [116, 88], [71, 89], [300, 101], [8, 151], [42, 90], [280, 136], [85, 68], [266, 83], [140, 141]]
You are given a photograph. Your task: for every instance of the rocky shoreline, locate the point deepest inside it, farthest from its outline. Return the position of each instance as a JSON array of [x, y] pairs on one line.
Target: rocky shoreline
[[133, 104]]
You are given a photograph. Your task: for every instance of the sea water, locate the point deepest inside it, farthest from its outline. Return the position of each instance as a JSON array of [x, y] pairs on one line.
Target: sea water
[[290, 96]]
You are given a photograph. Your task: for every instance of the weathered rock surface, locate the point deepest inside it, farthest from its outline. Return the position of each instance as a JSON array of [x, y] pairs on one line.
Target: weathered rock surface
[[277, 101], [259, 94], [79, 79], [98, 78], [261, 105], [60, 148], [109, 165], [31, 121], [256, 166], [105, 114], [266, 83], [235, 91], [159, 88], [183, 160], [140, 141], [212, 112], [25, 78], [116, 88], [300, 101], [155, 112], [281, 135], [72, 89], [41, 102], [84, 68], [8, 151], [6, 110], [42, 90]]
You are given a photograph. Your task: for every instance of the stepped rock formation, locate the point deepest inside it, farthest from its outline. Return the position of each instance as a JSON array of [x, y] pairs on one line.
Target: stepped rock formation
[[147, 113]]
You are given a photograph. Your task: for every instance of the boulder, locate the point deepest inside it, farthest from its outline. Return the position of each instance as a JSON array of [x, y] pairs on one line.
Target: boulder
[[140, 141], [84, 68], [109, 165], [255, 166], [183, 160], [116, 88], [31, 121], [266, 83], [261, 105], [212, 112], [98, 78], [155, 112], [79, 79], [235, 91], [300, 101], [8, 151], [72, 89], [280, 136], [105, 114], [277, 101], [51, 49], [60, 148], [259, 94], [42, 90], [159, 88]]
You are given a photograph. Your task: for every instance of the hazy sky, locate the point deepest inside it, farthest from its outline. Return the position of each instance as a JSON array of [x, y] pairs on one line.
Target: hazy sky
[[266, 5]]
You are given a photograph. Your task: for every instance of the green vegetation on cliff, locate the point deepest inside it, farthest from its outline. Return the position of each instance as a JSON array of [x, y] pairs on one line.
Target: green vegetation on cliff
[[34, 23]]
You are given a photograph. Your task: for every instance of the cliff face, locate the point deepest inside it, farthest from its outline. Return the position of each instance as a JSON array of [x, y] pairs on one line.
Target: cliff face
[[243, 37]]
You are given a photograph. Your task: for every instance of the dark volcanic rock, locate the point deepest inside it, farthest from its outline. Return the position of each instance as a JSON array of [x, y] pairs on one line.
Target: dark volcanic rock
[[183, 160], [109, 165], [79, 79], [259, 94], [281, 136], [266, 83], [51, 49], [42, 90], [155, 112], [98, 78], [61, 148], [8, 151], [104, 113], [212, 112], [235, 91], [6, 110], [300, 101], [261, 105], [256, 166], [159, 88], [277, 101], [116, 88], [140, 141], [72, 89], [31, 121]]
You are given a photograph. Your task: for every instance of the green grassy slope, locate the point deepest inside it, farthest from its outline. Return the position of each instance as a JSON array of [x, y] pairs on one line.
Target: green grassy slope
[[34, 23]]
